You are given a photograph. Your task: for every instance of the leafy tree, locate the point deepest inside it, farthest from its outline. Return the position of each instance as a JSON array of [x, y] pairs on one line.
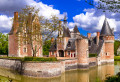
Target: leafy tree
[[116, 46], [3, 44], [105, 5], [36, 33], [46, 47]]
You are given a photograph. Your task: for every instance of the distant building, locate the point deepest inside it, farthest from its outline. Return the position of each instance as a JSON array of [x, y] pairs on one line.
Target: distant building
[[16, 49], [71, 44]]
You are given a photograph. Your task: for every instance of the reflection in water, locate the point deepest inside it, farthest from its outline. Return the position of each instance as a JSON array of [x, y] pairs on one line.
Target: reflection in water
[[90, 75]]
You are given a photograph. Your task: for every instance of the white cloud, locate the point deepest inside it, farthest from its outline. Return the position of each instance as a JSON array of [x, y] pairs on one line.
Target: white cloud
[[45, 10], [92, 22], [5, 23]]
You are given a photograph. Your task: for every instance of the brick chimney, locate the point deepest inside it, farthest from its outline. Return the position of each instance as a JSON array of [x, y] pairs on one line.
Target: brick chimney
[[30, 18], [88, 35], [15, 22], [97, 38]]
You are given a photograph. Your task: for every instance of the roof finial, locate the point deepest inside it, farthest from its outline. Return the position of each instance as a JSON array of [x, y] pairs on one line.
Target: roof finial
[[65, 15]]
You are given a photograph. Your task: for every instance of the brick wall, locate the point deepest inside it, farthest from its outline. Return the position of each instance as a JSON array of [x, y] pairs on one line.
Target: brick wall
[[12, 45]]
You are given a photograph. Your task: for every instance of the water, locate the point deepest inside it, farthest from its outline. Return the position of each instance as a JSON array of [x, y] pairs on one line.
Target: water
[[94, 74]]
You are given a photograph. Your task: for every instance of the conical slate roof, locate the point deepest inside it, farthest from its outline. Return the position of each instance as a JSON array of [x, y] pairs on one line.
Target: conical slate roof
[[106, 30], [76, 29]]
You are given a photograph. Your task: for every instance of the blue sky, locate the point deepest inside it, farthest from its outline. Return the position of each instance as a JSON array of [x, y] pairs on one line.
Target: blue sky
[[85, 16], [72, 7]]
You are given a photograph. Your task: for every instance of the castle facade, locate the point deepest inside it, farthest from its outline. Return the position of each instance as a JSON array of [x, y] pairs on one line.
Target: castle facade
[[22, 48], [71, 44]]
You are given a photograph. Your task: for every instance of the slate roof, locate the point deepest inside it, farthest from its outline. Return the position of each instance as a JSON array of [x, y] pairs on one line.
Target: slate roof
[[106, 30], [53, 46], [93, 47], [75, 30], [66, 32], [70, 44]]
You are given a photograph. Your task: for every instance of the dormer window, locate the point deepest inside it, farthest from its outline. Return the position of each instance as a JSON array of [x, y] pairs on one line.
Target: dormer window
[[69, 44]]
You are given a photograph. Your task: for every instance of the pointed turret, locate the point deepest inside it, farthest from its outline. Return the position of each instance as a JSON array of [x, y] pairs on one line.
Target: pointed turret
[[106, 30], [65, 21], [76, 29]]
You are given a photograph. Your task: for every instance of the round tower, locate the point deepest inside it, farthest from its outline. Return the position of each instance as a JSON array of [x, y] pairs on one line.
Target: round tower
[[82, 53], [107, 34]]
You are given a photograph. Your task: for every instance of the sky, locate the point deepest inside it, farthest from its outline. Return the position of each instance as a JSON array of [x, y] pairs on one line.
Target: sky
[[85, 16]]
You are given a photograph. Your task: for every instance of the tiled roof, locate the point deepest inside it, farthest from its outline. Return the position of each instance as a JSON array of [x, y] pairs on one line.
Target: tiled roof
[[106, 30], [66, 32], [75, 30], [70, 44], [53, 46], [93, 47]]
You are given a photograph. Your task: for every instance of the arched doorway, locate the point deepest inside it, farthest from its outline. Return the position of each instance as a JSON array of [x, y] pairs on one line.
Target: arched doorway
[[61, 53]]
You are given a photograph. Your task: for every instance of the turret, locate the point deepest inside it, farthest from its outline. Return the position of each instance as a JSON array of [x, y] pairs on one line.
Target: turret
[[108, 37], [65, 21], [82, 53]]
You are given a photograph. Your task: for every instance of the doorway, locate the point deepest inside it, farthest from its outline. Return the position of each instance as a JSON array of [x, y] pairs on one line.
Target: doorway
[[61, 53]]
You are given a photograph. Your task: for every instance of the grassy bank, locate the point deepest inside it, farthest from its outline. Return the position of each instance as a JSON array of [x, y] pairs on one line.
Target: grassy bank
[[37, 59], [117, 58]]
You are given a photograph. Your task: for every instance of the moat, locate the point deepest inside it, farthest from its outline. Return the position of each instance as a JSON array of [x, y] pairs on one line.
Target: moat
[[94, 74]]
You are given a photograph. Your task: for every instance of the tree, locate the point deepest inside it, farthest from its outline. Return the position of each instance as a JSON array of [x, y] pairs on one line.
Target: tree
[[46, 47], [3, 44], [35, 33], [106, 5]]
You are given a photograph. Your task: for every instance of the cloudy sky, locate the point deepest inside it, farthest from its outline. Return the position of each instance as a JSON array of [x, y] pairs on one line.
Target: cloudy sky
[[85, 16]]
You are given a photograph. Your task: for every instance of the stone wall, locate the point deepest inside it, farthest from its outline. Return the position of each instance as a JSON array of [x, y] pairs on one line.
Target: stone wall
[[50, 69], [92, 61], [11, 64], [44, 69], [70, 64]]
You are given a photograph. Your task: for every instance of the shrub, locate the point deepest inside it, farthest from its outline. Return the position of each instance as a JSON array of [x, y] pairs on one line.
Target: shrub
[[92, 55], [115, 78], [40, 59]]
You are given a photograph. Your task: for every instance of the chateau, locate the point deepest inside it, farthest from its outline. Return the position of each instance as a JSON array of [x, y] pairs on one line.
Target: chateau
[[71, 44], [21, 48], [68, 44]]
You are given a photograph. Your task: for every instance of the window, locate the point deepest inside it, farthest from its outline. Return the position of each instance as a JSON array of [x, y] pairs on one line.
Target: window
[[68, 52], [69, 44], [52, 52], [107, 54], [25, 50]]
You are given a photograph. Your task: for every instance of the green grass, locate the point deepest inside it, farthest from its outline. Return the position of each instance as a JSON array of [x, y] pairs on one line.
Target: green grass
[[43, 59], [117, 58], [92, 55]]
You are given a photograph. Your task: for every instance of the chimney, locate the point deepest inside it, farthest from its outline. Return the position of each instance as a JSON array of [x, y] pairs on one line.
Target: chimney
[[15, 22], [52, 40], [30, 18], [88, 35], [97, 38]]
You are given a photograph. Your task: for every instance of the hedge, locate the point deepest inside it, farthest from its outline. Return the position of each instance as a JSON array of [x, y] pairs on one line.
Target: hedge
[[44, 59], [92, 55], [40, 59]]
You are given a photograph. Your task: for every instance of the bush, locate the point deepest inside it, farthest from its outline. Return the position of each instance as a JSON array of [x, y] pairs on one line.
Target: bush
[[115, 78], [92, 55], [32, 58], [40, 59]]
